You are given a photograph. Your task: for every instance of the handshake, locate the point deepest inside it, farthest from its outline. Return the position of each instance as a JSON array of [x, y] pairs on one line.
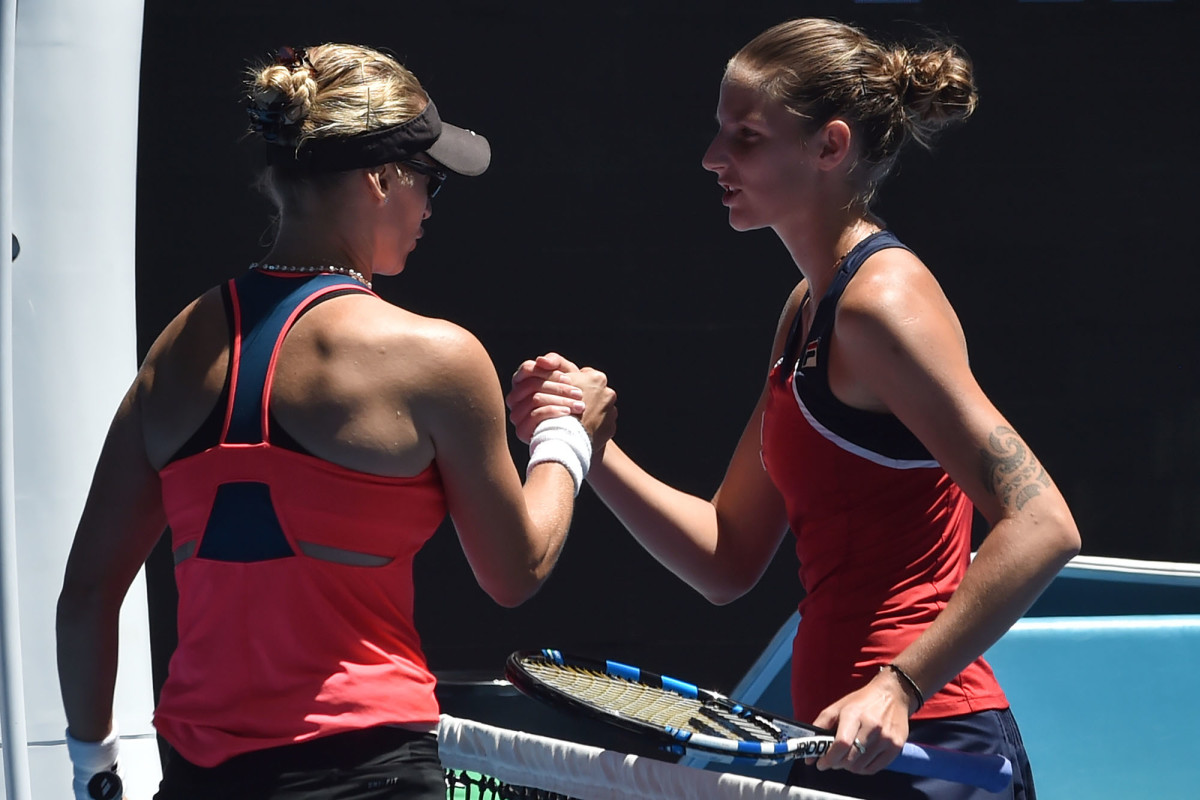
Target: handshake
[[550, 400]]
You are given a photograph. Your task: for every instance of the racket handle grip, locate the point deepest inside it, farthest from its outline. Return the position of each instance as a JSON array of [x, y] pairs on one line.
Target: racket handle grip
[[986, 770]]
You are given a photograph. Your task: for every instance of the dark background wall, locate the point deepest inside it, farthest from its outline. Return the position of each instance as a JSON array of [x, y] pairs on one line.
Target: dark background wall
[[1059, 220]]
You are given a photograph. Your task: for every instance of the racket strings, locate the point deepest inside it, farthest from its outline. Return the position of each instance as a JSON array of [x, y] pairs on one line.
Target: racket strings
[[750, 727], [652, 704]]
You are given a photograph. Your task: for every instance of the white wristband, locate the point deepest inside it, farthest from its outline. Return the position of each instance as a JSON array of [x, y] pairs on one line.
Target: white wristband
[[562, 439], [97, 776]]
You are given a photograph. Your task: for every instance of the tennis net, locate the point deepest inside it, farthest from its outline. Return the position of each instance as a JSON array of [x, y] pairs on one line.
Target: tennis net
[[484, 762]]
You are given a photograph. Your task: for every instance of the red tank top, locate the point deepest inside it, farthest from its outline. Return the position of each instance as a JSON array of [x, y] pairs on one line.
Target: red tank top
[[883, 535], [275, 646]]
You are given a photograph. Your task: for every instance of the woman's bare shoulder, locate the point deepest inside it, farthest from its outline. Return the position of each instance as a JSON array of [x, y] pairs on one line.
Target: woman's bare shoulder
[[375, 341], [371, 323], [891, 281], [194, 342]]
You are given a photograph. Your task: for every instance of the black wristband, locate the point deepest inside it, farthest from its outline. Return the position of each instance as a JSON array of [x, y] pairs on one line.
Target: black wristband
[[907, 681]]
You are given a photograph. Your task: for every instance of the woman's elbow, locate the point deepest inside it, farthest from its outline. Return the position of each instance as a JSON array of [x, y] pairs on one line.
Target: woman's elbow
[[723, 589], [1066, 539], [509, 599], [721, 596], [84, 594], [512, 591], [1069, 540], [80, 606]]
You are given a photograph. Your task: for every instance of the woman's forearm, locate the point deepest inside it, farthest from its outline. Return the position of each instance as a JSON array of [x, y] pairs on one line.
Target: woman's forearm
[[87, 633], [1016, 562], [680, 530]]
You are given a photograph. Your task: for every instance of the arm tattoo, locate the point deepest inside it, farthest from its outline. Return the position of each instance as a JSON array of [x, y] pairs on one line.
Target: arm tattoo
[[1009, 470]]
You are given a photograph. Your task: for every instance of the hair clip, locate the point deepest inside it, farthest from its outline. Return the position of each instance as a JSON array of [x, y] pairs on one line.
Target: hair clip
[[293, 58]]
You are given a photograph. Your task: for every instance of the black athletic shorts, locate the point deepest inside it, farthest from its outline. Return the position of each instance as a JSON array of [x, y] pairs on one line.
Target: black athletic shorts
[[371, 764]]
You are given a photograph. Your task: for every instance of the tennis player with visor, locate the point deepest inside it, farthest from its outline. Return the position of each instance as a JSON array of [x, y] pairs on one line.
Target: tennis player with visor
[[303, 438]]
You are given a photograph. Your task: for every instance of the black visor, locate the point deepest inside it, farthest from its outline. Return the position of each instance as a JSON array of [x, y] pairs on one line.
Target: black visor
[[458, 150]]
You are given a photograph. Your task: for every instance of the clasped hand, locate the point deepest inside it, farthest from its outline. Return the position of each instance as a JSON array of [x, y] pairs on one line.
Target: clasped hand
[[870, 724], [550, 386]]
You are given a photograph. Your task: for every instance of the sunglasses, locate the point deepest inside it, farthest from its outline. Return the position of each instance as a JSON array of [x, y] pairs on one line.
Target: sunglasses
[[436, 176]]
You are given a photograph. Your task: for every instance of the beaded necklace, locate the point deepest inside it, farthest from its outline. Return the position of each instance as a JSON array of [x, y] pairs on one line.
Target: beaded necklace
[[315, 270]]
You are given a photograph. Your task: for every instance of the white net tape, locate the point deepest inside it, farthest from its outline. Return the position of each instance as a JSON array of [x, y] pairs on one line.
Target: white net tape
[[591, 773]]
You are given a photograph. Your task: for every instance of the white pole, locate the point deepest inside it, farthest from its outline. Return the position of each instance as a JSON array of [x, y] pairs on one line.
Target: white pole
[[16, 753], [72, 345]]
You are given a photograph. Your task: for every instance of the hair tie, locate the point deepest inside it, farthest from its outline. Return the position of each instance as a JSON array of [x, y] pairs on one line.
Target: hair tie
[[267, 121]]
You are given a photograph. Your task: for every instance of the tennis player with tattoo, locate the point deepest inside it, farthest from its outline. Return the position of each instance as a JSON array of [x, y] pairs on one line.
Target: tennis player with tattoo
[[871, 438]]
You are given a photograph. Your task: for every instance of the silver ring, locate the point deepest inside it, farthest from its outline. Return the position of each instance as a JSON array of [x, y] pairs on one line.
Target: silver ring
[[860, 747]]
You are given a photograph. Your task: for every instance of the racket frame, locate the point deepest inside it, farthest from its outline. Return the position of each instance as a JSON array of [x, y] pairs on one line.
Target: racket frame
[[790, 739], [988, 771]]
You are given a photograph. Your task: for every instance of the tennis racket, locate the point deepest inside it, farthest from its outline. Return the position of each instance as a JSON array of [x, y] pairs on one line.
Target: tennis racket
[[684, 718]]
